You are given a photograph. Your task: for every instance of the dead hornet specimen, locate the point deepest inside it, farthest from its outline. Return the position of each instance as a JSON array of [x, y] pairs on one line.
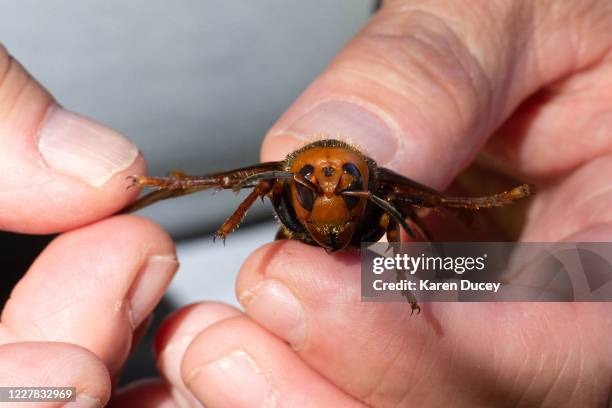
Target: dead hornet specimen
[[328, 194]]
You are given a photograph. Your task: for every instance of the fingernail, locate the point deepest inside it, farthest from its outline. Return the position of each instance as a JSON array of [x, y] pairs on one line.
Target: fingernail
[[149, 286], [348, 121], [184, 398], [232, 381], [84, 401], [275, 307], [75, 145], [169, 361]]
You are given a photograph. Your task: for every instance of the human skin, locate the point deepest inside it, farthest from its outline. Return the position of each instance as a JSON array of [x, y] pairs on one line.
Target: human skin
[[423, 89]]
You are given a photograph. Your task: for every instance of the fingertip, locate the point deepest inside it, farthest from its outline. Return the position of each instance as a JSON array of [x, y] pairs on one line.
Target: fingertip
[[117, 187], [257, 266], [94, 286], [308, 270], [283, 283], [51, 364], [60, 170], [174, 336], [237, 353], [146, 393], [277, 147], [139, 227], [188, 321], [77, 146], [125, 233]]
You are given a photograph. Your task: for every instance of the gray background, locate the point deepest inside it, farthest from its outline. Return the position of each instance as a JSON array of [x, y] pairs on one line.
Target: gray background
[[196, 83]]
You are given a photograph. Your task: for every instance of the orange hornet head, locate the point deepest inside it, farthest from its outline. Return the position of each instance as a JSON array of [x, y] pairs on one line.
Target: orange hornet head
[[322, 172]]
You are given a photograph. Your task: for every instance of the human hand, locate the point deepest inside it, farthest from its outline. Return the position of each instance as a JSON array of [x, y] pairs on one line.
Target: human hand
[[421, 89], [71, 321]]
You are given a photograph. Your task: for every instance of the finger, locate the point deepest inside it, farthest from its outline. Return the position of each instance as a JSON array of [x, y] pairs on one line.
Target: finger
[[175, 335], [237, 354], [59, 169], [426, 82], [93, 287], [383, 356], [148, 393], [48, 364], [576, 209]]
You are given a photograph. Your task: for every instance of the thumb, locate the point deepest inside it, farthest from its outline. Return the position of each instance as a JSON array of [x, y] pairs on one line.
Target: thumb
[[59, 169], [421, 87]]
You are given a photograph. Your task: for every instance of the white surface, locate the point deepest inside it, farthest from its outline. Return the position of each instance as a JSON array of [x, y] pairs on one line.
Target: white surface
[[208, 269]]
